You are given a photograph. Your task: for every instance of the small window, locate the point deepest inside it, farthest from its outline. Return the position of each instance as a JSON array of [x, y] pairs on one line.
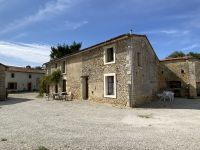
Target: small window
[[139, 59], [56, 66], [29, 76], [63, 67], [182, 71], [110, 85], [109, 55], [12, 75]]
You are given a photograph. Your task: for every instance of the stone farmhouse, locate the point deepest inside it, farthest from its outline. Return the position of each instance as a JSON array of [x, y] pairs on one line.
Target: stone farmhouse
[[121, 71], [22, 79], [181, 75]]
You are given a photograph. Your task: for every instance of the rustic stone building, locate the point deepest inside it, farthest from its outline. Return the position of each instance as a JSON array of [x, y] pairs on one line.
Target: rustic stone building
[[181, 75], [19, 79], [121, 71], [2, 82]]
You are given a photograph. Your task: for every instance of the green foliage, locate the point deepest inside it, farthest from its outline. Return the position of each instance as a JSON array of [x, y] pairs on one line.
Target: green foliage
[[56, 76], [181, 54], [44, 82], [194, 55], [63, 49], [176, 54]]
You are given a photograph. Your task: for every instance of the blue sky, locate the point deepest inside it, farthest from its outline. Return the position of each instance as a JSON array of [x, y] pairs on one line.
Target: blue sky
[[29, 28]]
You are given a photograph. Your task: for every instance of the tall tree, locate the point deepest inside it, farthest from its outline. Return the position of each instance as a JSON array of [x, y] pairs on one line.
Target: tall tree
[[63, 49], [176, 54]]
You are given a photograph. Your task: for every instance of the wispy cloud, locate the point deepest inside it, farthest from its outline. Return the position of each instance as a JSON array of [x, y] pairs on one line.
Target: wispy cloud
[[33, 53], [191, 47], [50, 9], [170, 32], [74, 25]]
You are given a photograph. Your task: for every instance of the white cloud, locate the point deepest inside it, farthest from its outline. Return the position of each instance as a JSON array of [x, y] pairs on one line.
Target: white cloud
[[33, 53], [50, 9], [191, 47], [74, 25], [171, 32]]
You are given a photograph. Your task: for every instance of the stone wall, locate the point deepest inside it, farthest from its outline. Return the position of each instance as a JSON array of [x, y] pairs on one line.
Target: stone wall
[[2, 83], [94, 68], [145, 75], [197, 70], [185, 71]]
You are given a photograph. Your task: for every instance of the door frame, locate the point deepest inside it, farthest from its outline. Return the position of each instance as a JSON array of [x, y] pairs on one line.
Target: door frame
[[85, 87]]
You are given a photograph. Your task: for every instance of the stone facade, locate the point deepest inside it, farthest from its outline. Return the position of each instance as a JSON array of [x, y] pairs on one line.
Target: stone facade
[[134, 70], [2, 82], [182, 71], [22, 79]]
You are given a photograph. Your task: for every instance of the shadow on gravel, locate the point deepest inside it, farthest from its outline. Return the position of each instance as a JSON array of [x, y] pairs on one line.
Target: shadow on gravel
[[11, 101], [179, 103]]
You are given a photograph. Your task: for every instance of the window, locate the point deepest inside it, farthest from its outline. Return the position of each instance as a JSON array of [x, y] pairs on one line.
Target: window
[[56, 66], [12, 75], [63, 67], [29, 76], [12, 86], [109, 55], [110, 85], [64, 86], [139, 59], [182, 71]]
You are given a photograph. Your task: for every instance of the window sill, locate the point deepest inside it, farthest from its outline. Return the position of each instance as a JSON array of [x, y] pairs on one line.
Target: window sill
[[108, 63], [110, 96]]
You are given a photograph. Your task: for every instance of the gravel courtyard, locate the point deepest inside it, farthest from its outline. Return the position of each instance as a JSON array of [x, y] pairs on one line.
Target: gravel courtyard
[[27, 122]]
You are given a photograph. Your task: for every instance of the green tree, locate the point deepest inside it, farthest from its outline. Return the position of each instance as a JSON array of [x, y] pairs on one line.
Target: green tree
[[194, 55], [176, 54], [56, 76], [63, 49]]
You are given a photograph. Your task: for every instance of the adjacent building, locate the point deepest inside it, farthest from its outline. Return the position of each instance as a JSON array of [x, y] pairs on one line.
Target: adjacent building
[[121, 71], [181, 75], [2, 82], [19, 79]]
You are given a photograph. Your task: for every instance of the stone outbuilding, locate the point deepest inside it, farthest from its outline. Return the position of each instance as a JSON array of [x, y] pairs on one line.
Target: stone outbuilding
[[181, 75], [2, 82], [18, 79], [120, 71]]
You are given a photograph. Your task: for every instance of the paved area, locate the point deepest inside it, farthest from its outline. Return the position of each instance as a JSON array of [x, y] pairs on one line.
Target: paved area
[[27, 122]]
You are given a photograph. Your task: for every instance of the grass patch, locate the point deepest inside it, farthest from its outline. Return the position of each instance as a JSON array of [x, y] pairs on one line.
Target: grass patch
[[146, 116], [42, 148]]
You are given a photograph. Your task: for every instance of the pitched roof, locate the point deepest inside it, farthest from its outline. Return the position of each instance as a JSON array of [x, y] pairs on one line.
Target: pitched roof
[[123, 36], [177, 59], [25, 70]]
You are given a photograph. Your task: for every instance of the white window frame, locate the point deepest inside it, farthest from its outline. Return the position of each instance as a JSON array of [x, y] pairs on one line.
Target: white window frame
[[105, 54], [105, 86]]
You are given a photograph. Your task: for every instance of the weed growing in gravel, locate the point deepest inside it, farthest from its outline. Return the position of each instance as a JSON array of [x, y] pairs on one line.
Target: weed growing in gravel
[[3, 139], [147, 116], [42, 148]]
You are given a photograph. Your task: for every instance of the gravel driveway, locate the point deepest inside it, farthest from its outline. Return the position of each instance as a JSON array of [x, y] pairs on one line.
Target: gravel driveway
[[27, 122]]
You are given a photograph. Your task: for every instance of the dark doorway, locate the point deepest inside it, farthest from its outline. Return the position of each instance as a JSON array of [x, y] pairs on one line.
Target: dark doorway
[[56, 88], [64, 85], [85, 88], [198, 88], [29, 86]]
